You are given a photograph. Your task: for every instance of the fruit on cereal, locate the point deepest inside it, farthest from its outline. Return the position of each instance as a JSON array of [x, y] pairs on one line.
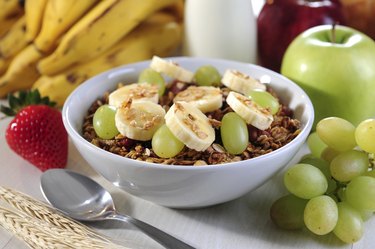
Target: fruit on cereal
[[139, 120], [171, 69], [190, 126], [149, 75], [205, 98], [135, 92], [104, 122], [207, 76], [37, 132], [250, 111], [241, 82], [234, 133], [265, 100], [165, 144]]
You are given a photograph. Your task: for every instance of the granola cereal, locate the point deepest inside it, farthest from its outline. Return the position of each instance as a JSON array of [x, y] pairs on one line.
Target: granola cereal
[[282, 130]]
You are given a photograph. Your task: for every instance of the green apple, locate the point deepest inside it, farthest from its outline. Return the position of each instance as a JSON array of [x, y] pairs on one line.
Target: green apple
[[335, 65]]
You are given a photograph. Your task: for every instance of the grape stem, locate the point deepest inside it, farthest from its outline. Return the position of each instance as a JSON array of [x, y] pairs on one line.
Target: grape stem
[[335, 192], [333, 33], [371, 158]]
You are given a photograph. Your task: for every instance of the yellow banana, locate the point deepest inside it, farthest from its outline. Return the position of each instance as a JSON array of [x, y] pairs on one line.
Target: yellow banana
[[4, 63], [59, 16], [10, 8], [97, 31], [176, 9], [14, 40], [34, 10], [21, 73], [151, 38]]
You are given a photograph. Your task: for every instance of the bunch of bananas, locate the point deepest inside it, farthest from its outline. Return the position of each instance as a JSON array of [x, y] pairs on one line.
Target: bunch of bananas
[[55, 45]]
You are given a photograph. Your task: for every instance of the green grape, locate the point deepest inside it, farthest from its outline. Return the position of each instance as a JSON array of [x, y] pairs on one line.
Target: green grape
[[360, 193], [328, 154], [265, 100], [315, 144], [287, 212], [104, 122], [149, 75], [307, 156], [165, 144], [324, 167], [207, 76], [321, 214], [349, 227], [337, 133], [234, 133], [305, 181], [347, 165], [365, 214], [365, 135], [319, 163]]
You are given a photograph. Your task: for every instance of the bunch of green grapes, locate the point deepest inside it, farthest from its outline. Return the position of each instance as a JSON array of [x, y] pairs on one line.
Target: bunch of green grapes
[[333, 188]]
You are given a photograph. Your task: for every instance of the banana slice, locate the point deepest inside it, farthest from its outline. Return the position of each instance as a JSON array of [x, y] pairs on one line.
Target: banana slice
[[252, 113], [171, 69], [205, 98], [240, 82], [139, 120], [135, 92], [190, 126]]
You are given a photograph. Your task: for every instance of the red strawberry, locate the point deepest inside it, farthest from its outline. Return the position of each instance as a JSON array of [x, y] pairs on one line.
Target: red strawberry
[[37, 132]]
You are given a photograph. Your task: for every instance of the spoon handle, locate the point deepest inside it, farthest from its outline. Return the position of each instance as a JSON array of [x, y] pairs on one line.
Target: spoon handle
[[166, 240]]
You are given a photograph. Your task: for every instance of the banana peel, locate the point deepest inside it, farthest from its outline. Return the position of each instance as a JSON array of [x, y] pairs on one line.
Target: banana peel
[[151, 38], [97, 31]]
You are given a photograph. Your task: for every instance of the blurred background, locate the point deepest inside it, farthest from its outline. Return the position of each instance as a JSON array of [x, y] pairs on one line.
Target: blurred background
[[54, 45]]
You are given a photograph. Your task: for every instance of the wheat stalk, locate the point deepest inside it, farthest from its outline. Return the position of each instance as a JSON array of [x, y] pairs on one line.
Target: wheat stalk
[[38, 217], [40, 234], [40, 210]]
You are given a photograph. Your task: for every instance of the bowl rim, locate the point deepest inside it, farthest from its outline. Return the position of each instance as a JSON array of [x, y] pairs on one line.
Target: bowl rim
[[77, 137]]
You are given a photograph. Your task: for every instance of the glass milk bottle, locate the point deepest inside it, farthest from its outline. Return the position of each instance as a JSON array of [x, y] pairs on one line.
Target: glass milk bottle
[[220, 29]]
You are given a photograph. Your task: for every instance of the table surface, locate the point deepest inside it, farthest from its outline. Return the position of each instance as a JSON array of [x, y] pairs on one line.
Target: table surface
[[243, 223]]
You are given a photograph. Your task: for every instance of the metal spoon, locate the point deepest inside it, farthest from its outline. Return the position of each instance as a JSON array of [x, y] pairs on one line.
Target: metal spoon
[[82, 198]]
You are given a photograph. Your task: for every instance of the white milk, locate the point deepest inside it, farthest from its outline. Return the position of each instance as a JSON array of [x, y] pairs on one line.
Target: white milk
[[220, 29]]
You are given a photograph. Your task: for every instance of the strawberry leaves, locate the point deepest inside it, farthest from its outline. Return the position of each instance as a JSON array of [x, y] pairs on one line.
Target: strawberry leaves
[[24, 98]]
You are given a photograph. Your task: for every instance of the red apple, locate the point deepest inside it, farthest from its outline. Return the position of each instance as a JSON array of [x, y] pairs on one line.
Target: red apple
[[280, 21]]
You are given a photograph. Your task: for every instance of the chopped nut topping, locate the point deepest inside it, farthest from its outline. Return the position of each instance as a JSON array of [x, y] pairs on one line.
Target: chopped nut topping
[[194, 127]]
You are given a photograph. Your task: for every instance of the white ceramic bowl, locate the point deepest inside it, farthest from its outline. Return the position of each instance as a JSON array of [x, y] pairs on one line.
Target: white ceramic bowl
[[185, 186]]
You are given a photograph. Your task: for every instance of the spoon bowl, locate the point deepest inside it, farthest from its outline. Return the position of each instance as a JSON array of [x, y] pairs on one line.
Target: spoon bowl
[[81, 198]]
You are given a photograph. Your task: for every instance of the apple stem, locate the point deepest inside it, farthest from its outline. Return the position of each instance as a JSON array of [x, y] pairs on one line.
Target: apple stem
[[333, 40]]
